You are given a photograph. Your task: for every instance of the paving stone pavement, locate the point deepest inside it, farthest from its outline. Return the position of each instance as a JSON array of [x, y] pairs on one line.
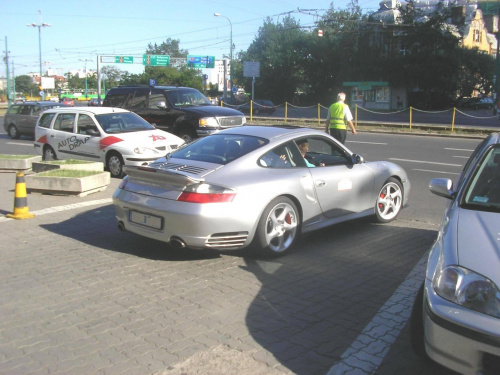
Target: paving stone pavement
[[77, 296]]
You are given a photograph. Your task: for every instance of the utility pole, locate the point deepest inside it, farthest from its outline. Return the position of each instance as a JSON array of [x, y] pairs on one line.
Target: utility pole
[[7, 72]]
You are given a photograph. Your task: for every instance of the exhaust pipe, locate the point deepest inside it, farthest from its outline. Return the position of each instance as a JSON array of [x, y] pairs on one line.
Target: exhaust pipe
[[177, 243], [121, 226]]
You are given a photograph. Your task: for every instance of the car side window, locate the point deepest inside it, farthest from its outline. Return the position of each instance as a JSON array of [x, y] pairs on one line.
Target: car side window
[[64, 122], [138, 100], [85, 125], [155, 97], [26, 110], [36, 111], [14, 109], [284, 156], [45, 120], [322, 151]]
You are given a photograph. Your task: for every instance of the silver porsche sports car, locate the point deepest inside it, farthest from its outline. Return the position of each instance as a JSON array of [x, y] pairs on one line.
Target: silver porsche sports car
[[256, 185]]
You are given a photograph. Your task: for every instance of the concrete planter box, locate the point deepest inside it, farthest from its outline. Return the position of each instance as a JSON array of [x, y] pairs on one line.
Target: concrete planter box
[[21, 164], [39, 167], [76, 186]]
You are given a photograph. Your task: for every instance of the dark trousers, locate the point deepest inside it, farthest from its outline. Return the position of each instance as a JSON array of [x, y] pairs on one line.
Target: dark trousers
[[339, 134]]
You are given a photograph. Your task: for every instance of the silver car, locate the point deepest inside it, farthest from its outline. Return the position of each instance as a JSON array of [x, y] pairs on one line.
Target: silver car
[[251, 186], [456, 315]]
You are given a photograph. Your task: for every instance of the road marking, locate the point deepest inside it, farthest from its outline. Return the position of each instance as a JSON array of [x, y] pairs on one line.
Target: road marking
[[426, 162], [369, 143], [458, 149], [52, 210], [367, 352], [19, 144], [428, 170]]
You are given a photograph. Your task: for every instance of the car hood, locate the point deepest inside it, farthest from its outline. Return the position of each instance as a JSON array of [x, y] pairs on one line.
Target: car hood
[[478, 242], [149, 138], [213, 111]]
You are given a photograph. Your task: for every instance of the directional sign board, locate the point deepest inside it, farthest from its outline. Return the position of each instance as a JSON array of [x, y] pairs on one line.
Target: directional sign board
[[156, 60], [200, 61], [124, 59]]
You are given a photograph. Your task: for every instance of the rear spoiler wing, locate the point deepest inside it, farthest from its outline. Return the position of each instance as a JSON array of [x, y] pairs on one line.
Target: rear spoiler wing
[[161, 176]]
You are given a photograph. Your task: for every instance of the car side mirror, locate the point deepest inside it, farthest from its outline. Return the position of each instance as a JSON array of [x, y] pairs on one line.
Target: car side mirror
[[161, 105], [357, 159], [442, 187]]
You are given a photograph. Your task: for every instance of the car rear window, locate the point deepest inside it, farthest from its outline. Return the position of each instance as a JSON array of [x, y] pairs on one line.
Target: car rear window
[[220, 148]]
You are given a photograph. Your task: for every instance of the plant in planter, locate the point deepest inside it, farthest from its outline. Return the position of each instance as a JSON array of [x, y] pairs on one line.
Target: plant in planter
[[68, 182], [17, 162]]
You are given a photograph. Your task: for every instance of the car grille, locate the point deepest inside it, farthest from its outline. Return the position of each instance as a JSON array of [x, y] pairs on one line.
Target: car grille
[[228, 122], [183, 168], [227, 240]]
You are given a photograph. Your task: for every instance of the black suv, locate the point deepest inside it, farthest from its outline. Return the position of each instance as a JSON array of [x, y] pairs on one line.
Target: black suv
[[184, 111], [21, 118]]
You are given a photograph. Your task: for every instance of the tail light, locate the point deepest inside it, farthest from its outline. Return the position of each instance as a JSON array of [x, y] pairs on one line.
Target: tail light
[[206, 193]]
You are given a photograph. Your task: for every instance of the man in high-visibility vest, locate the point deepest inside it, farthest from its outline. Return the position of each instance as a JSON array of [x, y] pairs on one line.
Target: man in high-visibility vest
[[338, 115]]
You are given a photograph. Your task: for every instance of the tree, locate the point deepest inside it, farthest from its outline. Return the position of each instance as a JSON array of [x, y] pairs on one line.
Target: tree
[[25, 85], [169, 47], [436, 63], [279, 48], [111, 74]]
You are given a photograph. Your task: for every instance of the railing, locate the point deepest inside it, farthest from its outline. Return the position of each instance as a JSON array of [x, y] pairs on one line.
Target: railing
[[407, 117]]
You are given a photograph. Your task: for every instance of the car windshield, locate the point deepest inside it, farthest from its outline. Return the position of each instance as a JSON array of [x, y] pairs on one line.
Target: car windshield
[[123, 122], [187, 97], [220, 148], [483, 191]]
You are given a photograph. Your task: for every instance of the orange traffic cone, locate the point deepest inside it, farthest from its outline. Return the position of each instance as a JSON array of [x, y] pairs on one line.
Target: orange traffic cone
[[20, 201]]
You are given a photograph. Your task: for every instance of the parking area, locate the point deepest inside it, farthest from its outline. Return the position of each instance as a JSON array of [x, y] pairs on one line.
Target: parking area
[[79, 296]]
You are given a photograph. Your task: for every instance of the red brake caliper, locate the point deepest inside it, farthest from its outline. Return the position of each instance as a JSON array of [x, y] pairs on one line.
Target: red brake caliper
[[380, 205]]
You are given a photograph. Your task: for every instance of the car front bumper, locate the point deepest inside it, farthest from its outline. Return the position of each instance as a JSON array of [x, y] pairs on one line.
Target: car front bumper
[[458, 338]]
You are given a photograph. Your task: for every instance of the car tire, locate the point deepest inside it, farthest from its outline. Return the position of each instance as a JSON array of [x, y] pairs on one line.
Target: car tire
[[186, 134], [389, 201], [417, 333], [114, 164], [13, 132], [48, 154], [278, 228]]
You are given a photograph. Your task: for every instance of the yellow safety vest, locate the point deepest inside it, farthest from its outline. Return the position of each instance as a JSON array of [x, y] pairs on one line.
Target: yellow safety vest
[[337, 116]]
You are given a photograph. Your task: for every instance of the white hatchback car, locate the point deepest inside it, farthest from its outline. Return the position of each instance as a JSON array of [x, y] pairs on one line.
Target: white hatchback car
[[114, 136]]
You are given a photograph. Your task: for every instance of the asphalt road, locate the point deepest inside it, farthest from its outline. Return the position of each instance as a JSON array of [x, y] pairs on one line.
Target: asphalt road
[[78, 296]]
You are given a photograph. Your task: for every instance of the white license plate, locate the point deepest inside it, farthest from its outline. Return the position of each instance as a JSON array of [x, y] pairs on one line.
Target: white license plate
[[146, 220]]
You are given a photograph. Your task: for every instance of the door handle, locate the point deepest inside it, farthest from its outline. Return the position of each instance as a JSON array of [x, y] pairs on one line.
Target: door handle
[[320, 183]]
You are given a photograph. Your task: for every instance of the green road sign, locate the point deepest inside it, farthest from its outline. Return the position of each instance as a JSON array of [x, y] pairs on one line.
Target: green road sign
[[124, 59], [156, 60], [200, 61]]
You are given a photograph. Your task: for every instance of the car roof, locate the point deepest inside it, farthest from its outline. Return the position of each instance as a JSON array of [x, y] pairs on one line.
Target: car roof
[[153, 87], [272, 131], [93, 110], [44, 103]]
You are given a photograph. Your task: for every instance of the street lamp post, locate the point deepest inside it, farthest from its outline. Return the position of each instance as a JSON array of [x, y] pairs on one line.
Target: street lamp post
[[40, 25], [86, 75], [230, 51]]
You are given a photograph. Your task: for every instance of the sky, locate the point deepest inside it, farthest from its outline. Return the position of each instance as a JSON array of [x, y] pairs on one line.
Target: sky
[[80, 31]]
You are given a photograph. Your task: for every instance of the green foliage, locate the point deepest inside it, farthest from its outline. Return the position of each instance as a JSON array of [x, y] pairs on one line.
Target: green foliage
[[25, 85], [169, 47]]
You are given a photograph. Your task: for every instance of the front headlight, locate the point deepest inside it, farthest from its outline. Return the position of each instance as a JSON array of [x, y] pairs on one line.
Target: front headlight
[[209, 121], [145, 150], [468, 289]]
